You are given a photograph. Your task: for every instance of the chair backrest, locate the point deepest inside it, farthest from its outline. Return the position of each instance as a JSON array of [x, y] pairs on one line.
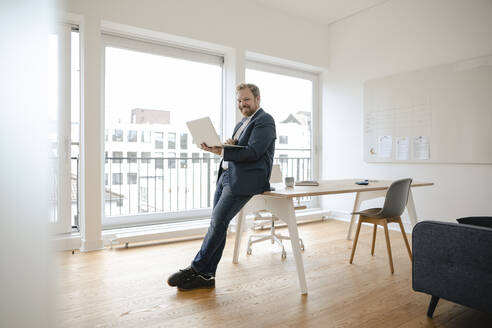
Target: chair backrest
[[276, 176], [396, 198]]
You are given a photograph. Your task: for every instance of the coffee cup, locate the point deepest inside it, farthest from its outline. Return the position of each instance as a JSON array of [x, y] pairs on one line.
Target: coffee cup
[[289, 182]]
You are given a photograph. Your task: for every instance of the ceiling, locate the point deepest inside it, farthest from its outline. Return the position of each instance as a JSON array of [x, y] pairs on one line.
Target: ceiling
[[321, 11]]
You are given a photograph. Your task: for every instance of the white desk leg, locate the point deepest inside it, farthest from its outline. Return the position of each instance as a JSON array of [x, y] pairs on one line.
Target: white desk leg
[[239, 232], [284, 209], [412, 212], [357, 203]]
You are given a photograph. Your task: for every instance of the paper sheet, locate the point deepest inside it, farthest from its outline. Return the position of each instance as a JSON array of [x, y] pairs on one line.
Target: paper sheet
[[402, 148], [421, 148], [385, 146]]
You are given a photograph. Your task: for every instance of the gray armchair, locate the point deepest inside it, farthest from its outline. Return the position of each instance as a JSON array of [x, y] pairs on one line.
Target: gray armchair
[[454, 262]]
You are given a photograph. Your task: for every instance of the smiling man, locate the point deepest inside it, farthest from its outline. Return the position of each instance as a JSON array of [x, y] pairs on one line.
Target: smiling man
[[243, 172]]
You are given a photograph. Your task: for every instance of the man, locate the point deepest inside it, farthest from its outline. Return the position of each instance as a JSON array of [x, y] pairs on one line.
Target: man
[[243, 172]]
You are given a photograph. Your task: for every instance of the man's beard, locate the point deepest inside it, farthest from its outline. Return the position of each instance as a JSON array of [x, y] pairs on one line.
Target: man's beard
[[248, 111]]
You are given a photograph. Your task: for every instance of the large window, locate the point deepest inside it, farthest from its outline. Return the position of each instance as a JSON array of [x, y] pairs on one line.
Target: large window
[[153, 89], [290, 96]]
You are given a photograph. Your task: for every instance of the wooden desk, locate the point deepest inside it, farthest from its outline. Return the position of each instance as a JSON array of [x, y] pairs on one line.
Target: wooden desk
[[280, 202]]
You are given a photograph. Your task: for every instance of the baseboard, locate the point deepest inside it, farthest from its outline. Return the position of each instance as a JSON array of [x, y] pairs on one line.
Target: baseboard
[[91, 245], [163, 233], [171, 232], [66, 242]]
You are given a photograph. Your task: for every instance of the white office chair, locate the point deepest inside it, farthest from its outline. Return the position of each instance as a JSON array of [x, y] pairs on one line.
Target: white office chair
[[263, 217]]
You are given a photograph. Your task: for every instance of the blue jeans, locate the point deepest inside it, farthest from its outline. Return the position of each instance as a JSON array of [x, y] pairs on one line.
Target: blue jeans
[[226, 206]]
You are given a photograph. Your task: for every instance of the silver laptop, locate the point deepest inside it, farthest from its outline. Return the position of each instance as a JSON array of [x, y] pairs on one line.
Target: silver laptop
[[203, 131]]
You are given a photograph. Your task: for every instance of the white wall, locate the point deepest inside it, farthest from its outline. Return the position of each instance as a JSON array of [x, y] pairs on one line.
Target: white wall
[[236, 25], [399, 36]]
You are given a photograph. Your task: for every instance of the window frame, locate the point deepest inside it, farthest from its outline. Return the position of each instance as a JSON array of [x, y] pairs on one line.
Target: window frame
[[62, 222], [126, 37]]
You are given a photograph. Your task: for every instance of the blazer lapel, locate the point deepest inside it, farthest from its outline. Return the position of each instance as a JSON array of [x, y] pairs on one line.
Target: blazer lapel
[[258, 112], [237, 128], [245, 134]]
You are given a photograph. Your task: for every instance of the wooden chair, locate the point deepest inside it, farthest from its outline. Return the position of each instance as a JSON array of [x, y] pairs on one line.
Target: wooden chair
[[394, 205]]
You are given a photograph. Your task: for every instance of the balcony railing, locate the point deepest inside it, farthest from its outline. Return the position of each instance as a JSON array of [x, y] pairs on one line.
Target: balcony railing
[[156, 184]]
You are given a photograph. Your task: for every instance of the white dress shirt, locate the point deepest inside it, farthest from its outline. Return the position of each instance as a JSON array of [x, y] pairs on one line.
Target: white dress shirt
[[225, 164]]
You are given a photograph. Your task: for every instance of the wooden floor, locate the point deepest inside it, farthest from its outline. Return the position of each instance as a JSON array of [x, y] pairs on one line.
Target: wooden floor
[[127, 287]]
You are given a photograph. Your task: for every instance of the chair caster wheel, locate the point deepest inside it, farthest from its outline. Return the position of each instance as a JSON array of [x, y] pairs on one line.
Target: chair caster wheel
[[284, 255], [249, 251]]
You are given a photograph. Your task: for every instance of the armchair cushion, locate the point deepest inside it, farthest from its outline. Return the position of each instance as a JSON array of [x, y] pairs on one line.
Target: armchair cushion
[[454, 262]]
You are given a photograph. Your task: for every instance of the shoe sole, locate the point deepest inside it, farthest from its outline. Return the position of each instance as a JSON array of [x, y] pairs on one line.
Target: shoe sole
[[190, 289]]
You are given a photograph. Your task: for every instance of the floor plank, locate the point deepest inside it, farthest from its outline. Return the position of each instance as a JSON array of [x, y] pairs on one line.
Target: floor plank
[[126, 287]]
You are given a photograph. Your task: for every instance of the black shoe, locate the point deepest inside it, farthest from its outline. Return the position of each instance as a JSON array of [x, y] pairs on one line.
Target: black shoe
[[197, 281], [181, 276]]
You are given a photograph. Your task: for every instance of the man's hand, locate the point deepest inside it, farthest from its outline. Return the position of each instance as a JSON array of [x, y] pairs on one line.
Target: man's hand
[[231, 142], [216, 150]]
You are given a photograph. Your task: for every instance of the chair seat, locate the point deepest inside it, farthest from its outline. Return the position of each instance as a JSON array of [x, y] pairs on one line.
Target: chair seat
[[374, 213], [264, 216]]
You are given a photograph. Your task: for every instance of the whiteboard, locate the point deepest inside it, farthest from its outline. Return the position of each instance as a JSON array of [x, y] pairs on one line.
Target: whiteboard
[[442, 114]]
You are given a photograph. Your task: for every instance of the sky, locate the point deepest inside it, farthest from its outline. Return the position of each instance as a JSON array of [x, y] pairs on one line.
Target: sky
[[188, 89]]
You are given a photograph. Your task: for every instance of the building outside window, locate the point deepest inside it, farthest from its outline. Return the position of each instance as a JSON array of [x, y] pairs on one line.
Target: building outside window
[[132, 136], [146, 157], [159, 140], [131, 178], [117, 155], [183, 161], [195, 158], [171, 162], [159, 161], [117, 179], [183, 140], [283, 140], [132, 156], [118, 135], [171, 140]]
